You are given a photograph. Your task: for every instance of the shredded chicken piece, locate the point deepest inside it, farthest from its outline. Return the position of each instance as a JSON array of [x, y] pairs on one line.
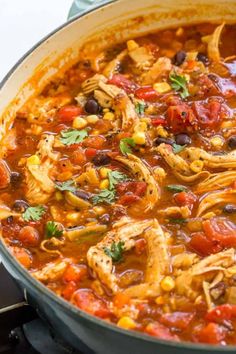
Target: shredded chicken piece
[[212, 161], [177, 163], [158, 263], [216, 181], [215, 198], [91, 84], [183, 211], [39, 185], [159, 69], [213, 42], [143, 173], [114, 65], [189, 282], [124, 231], [52, 271], [141, 57]]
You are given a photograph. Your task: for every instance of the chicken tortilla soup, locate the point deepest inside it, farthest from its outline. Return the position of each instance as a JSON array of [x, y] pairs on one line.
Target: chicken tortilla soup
[[118, 184]]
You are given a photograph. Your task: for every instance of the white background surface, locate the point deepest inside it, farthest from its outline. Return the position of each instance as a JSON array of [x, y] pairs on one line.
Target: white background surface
[[23, 23]]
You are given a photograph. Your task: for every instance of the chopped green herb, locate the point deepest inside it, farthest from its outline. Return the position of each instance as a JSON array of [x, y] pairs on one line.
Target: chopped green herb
[[140, 107], [105, 196], [176, 188], [116, 177], [179, 83], [125, 145], [33, 213], [73, 136], [115, 252], [177, 220], [66, 186], [178, 148], [52, 230]]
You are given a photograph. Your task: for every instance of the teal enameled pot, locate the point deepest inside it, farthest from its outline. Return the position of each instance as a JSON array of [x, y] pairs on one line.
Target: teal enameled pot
[[94, 28]]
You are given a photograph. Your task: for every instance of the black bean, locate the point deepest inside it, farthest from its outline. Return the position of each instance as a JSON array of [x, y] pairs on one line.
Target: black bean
[[101, 158], [203, 58], [229, 209], [92, 106], [232, 142], [20, 206], [179, 57], [15, 178], [105, 219], [160, 140], [82, 194], [183, 139]]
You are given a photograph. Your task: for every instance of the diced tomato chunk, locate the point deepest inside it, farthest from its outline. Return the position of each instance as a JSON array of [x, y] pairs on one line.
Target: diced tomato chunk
[[180, 117], [208, 113], [5, 175], [78, 157], [74, 272], [22, 255], [95, 142], [90, 152], [185, 198], [202, 245], [140, 246], [211, 334], [68, 113], [124, 83], [128, 199], [158, 121], [69, 290], [221, 230], [158, 330], [29, 236], [86, 300], [221, 313], [180, 320], [137, 188], [147, 93], [120, 300]]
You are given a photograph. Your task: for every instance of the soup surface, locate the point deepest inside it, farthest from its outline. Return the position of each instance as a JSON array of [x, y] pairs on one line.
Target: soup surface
[[118, 185]]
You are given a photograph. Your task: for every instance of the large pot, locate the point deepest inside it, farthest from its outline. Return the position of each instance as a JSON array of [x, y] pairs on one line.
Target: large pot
[[55, 53]]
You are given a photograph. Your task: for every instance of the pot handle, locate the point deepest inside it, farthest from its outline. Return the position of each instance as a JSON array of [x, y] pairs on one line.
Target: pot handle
[[80, 7]]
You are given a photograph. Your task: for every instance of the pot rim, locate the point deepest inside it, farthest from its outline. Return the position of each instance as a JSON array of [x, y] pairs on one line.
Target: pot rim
[[66, 305]]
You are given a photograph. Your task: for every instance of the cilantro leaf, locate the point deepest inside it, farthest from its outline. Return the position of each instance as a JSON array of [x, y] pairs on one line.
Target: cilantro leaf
[[116, 177], [179, 83], [176, 188], [53, 230], [177, 220], [105, 196], [66, 186], [178, 148], [73, 136], [115, 251], [33, 213], [125, 145], [140, 107]]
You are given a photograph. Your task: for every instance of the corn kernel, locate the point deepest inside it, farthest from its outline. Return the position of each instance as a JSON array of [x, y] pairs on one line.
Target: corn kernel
[[33, 160], [162, 132], [179, 32], [105, 110], [159, 173], [197, 166], [104, 172], [168, 283], [162, 87], [58, 196], [191, 55], [217, 142], [92, 119], [139, 138], [160, 300], [104, 184], [126, 322], [99, 210], [131, 45], [141, 127], [109, 116], [72, 217], [79, 123]]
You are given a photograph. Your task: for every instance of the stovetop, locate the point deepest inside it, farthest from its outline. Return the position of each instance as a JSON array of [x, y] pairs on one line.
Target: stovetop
[[21, 330]]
